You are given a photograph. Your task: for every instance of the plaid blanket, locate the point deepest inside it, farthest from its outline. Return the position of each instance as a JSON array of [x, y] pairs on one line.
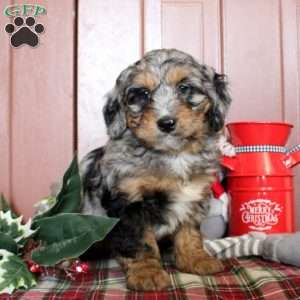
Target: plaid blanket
[[243, 279]]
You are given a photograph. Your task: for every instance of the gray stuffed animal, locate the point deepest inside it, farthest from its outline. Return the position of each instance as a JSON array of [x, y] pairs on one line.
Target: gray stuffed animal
[[283, 248]]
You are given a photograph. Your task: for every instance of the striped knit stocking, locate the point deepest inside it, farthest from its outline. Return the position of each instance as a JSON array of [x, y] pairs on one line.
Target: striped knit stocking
[[245, 245]]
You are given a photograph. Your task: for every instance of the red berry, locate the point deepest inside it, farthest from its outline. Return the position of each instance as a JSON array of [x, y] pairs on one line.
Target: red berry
[[29, 263], [78, 269], [35, 268], [85, 267]]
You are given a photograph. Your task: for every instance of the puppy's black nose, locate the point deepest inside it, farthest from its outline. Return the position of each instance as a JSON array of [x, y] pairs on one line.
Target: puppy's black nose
[[166, 124]]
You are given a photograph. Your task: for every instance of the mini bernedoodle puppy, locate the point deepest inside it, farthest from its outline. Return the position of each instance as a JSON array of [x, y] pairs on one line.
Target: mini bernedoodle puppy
[[164, 118]]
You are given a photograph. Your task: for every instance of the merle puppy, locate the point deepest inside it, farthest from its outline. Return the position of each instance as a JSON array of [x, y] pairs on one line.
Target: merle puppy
[[164, 118]]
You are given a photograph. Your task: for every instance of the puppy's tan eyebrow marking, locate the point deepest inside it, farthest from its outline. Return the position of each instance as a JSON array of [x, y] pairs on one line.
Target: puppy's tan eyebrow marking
[[146, 79], [177, 74]]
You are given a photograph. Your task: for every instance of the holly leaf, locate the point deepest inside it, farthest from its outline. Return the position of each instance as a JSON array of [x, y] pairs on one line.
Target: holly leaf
[[14, 273], [45, 204], [68, 199], [67, 236], [8, 243], [14, 228], [4, 205]]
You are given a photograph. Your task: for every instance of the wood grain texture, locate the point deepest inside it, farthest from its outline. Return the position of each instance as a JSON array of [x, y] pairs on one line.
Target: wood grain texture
[[260, 59], [152, 25], [252, 58], [5, 126], [126, 30], [192, 26], [179, 15], [42, 107], [256, 43], [291, 71], [110, 38]]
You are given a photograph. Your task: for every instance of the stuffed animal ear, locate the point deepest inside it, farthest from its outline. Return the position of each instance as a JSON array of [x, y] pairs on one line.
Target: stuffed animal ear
[[114, 115]]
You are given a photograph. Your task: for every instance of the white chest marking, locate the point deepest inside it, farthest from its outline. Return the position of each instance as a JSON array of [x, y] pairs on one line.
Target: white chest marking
[[181, 164], [190, 192]]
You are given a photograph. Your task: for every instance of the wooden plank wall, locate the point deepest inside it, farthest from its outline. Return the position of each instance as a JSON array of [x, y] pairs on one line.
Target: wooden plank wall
[[256, 43], [37, 107], [110, 38], [5, 62]]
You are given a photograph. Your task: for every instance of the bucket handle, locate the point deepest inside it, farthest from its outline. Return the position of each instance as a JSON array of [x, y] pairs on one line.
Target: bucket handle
[[292, 157], [230, 163]]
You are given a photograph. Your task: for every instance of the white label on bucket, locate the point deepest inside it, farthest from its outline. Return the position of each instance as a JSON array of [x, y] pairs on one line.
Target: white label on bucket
[[260, 214]]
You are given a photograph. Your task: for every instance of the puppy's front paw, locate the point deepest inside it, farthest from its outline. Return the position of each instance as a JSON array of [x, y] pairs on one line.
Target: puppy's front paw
[[148, 278], [201, 266], [208, 266]]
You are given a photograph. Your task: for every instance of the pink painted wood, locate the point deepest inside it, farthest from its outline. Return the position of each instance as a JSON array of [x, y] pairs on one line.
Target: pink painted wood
[[142, 26], [252, 58], [194, 27], [291, 70], [40, 108], [260, 55], [256, 43], [5, 110], [189, 25], [110, 38]]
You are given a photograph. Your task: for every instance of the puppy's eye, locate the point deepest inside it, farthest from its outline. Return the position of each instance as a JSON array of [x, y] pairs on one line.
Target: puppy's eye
[[138, 96], [184, 88]]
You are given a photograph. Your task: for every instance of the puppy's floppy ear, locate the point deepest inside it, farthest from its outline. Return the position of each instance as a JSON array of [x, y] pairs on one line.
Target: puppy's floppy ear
[[215, 118], [114, 109], [221, 84], [218, 92], [114, 115]]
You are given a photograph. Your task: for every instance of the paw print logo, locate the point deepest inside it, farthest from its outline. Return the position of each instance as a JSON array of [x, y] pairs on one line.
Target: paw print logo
[[24, 32]]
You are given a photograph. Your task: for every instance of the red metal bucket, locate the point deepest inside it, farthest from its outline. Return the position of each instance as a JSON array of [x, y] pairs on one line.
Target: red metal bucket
[[260, 180], [259, 133]]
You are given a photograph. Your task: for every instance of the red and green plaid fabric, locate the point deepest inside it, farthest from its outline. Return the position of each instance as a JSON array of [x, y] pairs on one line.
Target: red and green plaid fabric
[[243, 279]]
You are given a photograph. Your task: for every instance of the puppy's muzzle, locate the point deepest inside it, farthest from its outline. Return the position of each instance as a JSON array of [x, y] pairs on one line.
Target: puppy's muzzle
[[166, 124]]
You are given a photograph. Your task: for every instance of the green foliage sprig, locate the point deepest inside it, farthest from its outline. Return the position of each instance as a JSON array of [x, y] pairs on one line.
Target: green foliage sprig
[[62, 231]]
